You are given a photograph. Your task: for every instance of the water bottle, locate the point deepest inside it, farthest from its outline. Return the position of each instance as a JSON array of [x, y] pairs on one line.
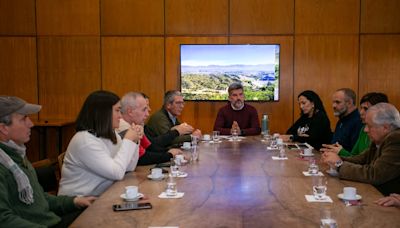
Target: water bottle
[[264, 125]]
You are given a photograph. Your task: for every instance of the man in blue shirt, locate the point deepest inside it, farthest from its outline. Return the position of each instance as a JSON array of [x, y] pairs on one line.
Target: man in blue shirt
[[349, 124]]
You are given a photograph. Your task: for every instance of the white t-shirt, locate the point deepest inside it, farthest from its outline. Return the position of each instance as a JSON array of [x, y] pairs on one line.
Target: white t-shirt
[[92, 164]]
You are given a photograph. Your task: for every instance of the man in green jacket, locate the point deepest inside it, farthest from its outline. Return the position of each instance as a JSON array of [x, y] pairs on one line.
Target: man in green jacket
[[167, 118], [22, 200], [363, 141]]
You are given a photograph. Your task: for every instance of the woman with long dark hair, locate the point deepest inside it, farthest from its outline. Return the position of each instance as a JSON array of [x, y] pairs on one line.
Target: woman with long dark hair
[[313, 126], [96, 155]]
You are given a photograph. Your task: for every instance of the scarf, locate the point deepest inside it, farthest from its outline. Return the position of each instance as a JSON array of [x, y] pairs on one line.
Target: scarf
[[24, 187]]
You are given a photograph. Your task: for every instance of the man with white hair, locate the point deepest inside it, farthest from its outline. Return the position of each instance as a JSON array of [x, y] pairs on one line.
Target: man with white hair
[[380, 164], [22, 200], [135, 109]]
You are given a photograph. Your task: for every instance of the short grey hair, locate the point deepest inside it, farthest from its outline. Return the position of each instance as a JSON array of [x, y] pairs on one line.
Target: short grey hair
[[7, 120], [349, 94], [385, 113], [170, 95], [129, 100], [234, 86]]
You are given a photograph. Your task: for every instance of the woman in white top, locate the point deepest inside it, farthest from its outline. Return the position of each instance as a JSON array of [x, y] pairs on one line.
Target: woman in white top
[[96, 155]]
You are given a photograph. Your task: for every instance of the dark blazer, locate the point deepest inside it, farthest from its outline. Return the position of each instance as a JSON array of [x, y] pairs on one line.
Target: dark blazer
[[160, 124]]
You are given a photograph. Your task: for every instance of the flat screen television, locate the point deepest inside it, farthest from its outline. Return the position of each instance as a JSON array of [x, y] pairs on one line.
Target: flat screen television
[[206, 71]]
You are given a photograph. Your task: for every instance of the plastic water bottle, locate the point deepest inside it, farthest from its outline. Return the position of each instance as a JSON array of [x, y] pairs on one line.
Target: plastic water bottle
[[264, 125]]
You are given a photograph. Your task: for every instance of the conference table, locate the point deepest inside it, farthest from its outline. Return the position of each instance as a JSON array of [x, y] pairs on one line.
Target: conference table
[[237, 184]]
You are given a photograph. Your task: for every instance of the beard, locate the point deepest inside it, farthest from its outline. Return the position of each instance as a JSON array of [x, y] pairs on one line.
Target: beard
[[340, 113], [238, 104]]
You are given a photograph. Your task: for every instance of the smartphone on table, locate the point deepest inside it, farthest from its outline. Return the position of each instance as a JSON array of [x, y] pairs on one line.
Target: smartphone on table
[[131, 206], [303, 146], [292, 147]]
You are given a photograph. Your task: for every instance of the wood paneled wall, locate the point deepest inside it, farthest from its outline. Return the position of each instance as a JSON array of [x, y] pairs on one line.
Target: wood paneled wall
[[55, 52]]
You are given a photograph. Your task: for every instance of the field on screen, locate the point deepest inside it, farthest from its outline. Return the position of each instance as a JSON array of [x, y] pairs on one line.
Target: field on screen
[[208, 70]]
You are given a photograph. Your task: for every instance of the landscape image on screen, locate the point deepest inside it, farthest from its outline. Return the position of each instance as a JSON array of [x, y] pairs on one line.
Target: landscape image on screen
[[208, 70]]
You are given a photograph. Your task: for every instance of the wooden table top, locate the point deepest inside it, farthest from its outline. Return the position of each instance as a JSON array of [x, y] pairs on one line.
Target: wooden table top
[[237, 184]]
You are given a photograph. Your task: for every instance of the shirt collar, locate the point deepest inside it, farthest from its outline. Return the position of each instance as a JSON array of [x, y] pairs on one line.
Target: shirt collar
[[237, 109], [172, 117]]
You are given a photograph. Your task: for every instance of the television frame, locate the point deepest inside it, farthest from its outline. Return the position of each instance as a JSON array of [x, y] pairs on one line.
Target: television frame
[[224, 96]]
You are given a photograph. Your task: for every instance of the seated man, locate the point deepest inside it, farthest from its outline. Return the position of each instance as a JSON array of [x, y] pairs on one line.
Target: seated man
[[349, 125], [162, 142], [135, 109], [22, 200], [166, 118], [380, 164], [363, 141], [237, 115]]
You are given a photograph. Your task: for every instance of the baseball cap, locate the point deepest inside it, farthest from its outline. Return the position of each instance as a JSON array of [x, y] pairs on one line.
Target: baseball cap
[[9, 105]]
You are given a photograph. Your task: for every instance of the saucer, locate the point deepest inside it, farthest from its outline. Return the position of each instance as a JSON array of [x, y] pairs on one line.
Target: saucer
[[341, 196], [156, 179], [181, 174], [207, 140], [139, 195], [185, 148], [306, 155]]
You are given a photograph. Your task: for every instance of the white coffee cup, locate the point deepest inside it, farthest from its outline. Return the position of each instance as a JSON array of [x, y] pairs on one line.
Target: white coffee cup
[[186, 145], [307, 151], [131, 192], [207, 137], [349, 192], [156, 172]]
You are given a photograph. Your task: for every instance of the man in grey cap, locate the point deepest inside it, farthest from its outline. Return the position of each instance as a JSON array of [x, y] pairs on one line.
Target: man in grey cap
[[22, 200]]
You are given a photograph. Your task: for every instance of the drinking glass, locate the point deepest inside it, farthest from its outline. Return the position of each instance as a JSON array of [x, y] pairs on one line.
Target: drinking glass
[[313, 168], [180, 162], [194, 141], [327, 220], [235, 134], [282, 152], [215, 136], [274, 141], [171, 189], [174, 168], [320, 187], [267, 139], [194, 156]]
